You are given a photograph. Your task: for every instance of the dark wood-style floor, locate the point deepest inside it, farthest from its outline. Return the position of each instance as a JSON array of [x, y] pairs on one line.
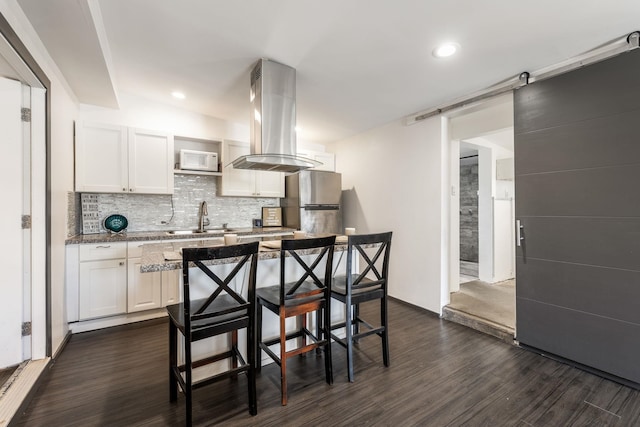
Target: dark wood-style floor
[[441, 374]]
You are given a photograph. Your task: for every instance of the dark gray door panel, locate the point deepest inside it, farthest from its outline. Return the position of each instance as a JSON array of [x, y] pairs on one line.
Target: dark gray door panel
[[611, 191], [602, 291], [606, 88], [577, 164], [601, 242], [580, 145], [606, 344]]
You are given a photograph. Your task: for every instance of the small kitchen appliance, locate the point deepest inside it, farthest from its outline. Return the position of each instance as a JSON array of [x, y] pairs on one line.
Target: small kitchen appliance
[[198, 160]]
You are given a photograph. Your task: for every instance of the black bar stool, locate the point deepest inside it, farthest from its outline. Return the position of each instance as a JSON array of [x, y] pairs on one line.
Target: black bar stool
[[223, 311], [354, 289], [307, 293]]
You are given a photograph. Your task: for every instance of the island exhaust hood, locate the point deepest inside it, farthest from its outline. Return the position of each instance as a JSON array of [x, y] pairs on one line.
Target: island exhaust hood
[[273, 121]]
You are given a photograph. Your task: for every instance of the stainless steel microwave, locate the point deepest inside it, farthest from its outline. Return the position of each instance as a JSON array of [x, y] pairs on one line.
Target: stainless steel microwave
[[198, 160]]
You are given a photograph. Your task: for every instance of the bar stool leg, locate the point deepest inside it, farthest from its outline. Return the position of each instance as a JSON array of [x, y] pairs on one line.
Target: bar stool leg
[[258, 361], [173, 362], [356, 322], [188, 380], [349, 339], [303, 337], [326, 315], [283, 358], [251, 374], [385, 331], [234, 349]]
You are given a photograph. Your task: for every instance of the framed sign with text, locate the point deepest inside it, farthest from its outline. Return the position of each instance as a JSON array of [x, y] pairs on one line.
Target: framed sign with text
[[271, 217]]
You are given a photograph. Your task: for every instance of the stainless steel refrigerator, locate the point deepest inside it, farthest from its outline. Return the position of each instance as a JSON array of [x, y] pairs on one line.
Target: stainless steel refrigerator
[[312, 202]]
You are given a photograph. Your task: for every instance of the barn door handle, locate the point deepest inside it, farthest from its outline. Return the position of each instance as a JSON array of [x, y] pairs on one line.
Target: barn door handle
[[519, 229]]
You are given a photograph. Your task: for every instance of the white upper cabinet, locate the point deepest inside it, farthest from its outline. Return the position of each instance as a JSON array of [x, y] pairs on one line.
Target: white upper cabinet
[[150, 162], [117, 159], [101, 158], [328, 160], [247, 183]]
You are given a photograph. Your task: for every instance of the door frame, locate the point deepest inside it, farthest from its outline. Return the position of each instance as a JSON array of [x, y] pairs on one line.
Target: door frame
[[14, 51], [451, 160]]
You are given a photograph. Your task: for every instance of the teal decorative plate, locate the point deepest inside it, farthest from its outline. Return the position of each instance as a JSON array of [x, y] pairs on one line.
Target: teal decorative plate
[[116, 223]]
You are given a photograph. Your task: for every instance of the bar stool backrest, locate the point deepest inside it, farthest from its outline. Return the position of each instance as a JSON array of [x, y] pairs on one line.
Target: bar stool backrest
[[375, 269], [314, 285], [197, 312]]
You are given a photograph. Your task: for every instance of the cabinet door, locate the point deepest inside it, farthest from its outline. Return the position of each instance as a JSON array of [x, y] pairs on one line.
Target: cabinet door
[[269, 184], [101, 158], [171, 282], [144, 290], [103, 288], [328, 161], [236, 182], [150, 162]]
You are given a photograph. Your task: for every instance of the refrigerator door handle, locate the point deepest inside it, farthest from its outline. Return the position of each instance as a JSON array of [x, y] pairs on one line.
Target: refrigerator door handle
[[321, 207]]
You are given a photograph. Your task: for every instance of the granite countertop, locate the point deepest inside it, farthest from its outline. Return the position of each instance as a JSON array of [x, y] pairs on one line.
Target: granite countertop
[[164, 235], [166, 256]]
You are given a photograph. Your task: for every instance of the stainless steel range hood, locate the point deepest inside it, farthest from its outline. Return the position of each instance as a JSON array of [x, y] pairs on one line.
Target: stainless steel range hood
[[273, 121]]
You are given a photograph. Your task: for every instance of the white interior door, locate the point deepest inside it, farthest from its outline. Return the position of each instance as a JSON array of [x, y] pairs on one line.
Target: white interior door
[[12, 250]]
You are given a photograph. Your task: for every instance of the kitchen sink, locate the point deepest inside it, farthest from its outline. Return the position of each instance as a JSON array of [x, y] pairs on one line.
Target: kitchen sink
[[188, 232], [192, 232]]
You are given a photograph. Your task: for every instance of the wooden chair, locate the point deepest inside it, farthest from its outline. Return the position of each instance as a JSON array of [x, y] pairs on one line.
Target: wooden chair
[[223, 311], [305, 294], [354, 289]]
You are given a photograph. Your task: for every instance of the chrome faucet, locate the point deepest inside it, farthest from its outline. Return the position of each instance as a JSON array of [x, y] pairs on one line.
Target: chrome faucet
[[202, 213]]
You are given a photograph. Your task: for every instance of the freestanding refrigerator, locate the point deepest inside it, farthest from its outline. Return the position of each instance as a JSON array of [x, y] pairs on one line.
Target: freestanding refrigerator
[[312, 202]]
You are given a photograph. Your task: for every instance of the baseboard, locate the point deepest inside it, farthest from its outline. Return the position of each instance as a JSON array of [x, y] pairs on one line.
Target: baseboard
[[19, 393], [121, 320], [417, 307], [62, 345]]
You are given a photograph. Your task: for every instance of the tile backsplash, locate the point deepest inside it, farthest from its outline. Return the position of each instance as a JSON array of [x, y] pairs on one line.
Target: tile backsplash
[[179, 211]]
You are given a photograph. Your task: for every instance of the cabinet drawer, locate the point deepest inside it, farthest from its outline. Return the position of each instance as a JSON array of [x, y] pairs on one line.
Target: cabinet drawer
[[103, 251], [134, 249]]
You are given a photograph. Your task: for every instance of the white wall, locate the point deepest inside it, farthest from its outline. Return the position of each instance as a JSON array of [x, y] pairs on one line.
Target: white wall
[[392, 181], [63, 113], [142, 113]]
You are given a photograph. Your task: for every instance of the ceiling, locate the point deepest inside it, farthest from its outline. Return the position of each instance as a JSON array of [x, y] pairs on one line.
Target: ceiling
[[360, 63]]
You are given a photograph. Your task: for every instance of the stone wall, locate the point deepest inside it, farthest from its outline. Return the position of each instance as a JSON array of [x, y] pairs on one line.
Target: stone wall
[[469, 211]]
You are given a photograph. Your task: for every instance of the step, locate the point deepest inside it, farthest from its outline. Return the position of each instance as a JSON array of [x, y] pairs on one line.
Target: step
[[480, 324]]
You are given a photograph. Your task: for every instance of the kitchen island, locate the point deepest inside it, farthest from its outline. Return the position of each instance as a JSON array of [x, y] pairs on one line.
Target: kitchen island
[[104, 282], [165, 257]]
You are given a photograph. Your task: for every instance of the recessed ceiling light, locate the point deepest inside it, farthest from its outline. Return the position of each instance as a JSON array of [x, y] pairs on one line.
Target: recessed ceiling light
[[445, 50], [178, 95]]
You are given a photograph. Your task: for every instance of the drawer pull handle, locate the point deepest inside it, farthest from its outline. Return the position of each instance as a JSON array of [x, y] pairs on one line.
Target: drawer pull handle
[[103, 247]]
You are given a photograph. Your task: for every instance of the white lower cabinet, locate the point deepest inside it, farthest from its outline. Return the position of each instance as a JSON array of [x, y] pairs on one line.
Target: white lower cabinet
[[171, 287], [144, 290], [102, 280]]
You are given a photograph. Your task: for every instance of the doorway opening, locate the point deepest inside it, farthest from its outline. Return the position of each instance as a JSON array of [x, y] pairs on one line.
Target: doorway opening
[[482, 257], [468, 194]]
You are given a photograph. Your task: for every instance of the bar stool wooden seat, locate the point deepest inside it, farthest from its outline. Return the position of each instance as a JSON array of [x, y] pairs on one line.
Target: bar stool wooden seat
[[354, 289], [297, 297], [223, 311]]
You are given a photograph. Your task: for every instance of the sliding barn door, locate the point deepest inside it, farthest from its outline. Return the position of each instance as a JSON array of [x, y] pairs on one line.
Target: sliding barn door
[[577, 159]]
